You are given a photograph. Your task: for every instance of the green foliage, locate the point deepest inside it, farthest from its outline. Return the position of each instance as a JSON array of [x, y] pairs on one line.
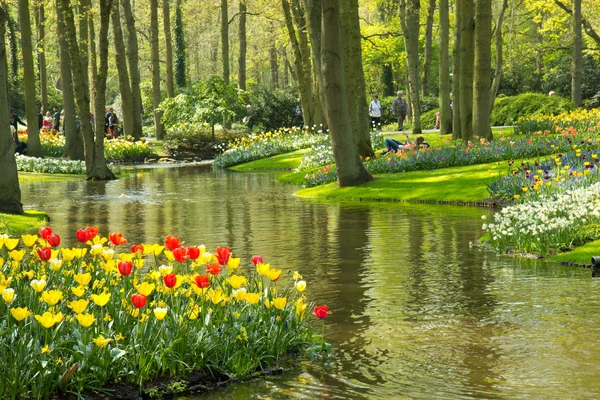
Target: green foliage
[[180, 57], [428, 119], [273, 109], [507, 110], [197, 139]]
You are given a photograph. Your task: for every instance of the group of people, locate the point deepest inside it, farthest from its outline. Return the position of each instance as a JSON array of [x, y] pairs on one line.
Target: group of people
[[399, 108]]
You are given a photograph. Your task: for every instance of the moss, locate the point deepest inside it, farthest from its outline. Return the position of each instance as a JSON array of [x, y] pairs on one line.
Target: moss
[[17, 224]]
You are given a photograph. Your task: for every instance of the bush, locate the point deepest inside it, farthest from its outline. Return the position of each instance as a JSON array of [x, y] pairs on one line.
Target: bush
[[428, 119], [194, 139], [273, 109], [429, 103], [507, 110]]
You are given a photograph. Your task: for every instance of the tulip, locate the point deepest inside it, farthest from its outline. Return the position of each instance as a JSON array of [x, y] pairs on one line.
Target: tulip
[[83, 279], [82, 235], [45, 253], [78, 306], [85, 320], [273, 274], [213, 268], [45, 232], [100, 299], [138, 300], [170, 280], [279, 302], [8, 295], [145, 288], [78, 291], [29, 240], [239, 294], [223, 254], [252, 298], [20, 313], [11, 244], [300, 286], [137, 248], [92, 231], [165, 269], [53, 240], [47, 319], [101, 341], [17, 255], [216, 296], [193, 252], [300, 306], [117, 239], [236, 281], [125, 268], [321, 312], [172, 242], [52, 297], [257, 260], [55, 264], [160, 313], [202, 281], [180, 254], [38, 285]]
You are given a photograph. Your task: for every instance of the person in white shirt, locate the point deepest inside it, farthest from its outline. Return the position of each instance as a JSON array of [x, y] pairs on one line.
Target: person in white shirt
[[375, 113]]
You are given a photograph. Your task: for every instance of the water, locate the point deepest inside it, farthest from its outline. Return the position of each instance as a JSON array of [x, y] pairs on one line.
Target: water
[[417, 311]]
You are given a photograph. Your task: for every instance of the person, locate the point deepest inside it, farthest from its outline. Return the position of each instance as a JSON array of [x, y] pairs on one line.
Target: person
[[15, 120], [394, 145], [47, 124], [56, 125], [113, 124], [400, 109], [375, 113], [298, 115], [20, 147], [40, 120]]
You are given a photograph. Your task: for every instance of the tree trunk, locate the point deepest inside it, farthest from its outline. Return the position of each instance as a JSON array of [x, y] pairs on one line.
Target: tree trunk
[[134, 69], [274, 67], [466, 69], [158, 126], [180, 56], [90, 75], [355, 77], [499, 59], [243, 46], [455, 96], [225, 40], [409, 20], [577, 57], [387, 80], [169, 48], [84, 50], [428, 48], [482, 69], [10, 192], [351, 171], [34, 147], [444, 75], [313, 23], [95, 167], [121, 61], [305, 54], [41, 28], [73, 139]]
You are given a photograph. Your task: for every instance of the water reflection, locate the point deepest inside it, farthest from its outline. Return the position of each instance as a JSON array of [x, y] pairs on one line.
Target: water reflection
[[417, 312]]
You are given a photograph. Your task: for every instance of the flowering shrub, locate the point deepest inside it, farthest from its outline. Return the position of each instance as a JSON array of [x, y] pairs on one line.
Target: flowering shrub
[[74, 319]]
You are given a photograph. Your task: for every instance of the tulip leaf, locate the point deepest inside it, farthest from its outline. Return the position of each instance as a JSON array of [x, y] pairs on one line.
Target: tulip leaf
[[117, 353]]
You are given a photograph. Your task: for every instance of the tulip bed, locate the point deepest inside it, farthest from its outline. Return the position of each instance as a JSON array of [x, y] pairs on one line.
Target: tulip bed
[[580, 120], [76, 319]]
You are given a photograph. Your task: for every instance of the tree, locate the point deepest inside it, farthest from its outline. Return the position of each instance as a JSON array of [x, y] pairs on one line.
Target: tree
[[225, 40], [466, 11], [313, 23], [10, 192], [428, 48], [168, 48], [41, 29], [350, 169], [482, 69], [122, 71], [84, 39], [134, 69], [180, 56], [456, 71], [243, 46], [444, 76], [34, 147], [158, 126], [499, 55], [409, 21], [577, 58]]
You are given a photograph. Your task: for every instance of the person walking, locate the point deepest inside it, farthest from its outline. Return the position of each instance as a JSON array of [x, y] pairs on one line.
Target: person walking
[[400, 109], [15, 120], [375, 113], [56, 116]]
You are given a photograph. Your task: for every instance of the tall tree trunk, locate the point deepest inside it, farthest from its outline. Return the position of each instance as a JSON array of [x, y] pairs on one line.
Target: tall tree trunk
[[482, 69], [444, 75], [34, 147], [169, 48], [158, 126], [409, 21], [93, 64], [14, 49], [84, 50], [355, 77], [350, 169], [41, 28], [225, 40], [95, 166], [274, 67], [313, 23], [121, 61], [243, 46], [455, 97], [305, 54], [180, 56], [10, 192], [499, 55], [134, 69], [466, 69], [428, 48], [73, 139], [577, 57]]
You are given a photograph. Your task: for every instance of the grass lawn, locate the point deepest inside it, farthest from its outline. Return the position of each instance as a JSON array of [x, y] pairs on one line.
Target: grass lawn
[[34, 176], [17, 224], [581, 255], [285, 161]]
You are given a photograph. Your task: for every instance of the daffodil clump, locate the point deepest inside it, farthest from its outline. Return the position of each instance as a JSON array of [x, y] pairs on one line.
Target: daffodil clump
[[73, 319]]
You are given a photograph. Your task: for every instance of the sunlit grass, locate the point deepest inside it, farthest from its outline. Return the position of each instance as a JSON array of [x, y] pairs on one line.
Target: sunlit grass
[[16, 224], [285, 161]]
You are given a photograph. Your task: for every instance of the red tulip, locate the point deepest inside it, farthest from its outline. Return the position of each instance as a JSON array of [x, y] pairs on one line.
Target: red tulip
[[92, 231], [117, 239], [138, 300], [45, 232], [257, 260], [125, 268], [170, 280], [53, 240], [193, 253], [83, 235], [172, 242], [45, 253], [213, 268], [202, 281], [180, 254], [137, 247], [321, 312], [223, 255]]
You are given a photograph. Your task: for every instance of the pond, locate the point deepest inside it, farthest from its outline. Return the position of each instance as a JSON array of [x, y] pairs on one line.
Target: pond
[[418, 312]]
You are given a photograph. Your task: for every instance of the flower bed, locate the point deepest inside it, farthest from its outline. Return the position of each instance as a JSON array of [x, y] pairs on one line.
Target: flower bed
[[75, 319], [580, 120], [54, 165]]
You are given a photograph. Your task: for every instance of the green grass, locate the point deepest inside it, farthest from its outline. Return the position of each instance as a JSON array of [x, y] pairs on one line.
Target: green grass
[[17, 224], [581, 255], [285, 161], [436, 140], [34, 176]]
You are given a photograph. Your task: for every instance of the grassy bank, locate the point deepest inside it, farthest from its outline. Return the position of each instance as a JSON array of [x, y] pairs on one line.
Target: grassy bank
[[17, 224], [287, 161], [581, 255], [34, 176]]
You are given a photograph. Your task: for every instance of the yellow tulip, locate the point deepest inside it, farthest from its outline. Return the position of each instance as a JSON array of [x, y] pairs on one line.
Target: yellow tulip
[[8, 295], [252, 298], [96, 249], [29, 240], [48, 319], [80, 253], [300, 306], [38, 285], [101, 341], [160, 313], [126, 256], [145, 288], [169, 255], [279, 302], [273, 274], [11, 243], [263, 269], [138, 263], [239, 294], [85, 320], [46, 349], [67, 254], [55, 264], [83, 279], [300, 286], [165, 269], [20, 313], [206, 256], [78, 291], [155, 249], [1, 262], [17, 255], [100, 299], [268, 303], [216, 296], [236, 281], [194, 312], [78, 306], [108, 254], [52, 297]]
